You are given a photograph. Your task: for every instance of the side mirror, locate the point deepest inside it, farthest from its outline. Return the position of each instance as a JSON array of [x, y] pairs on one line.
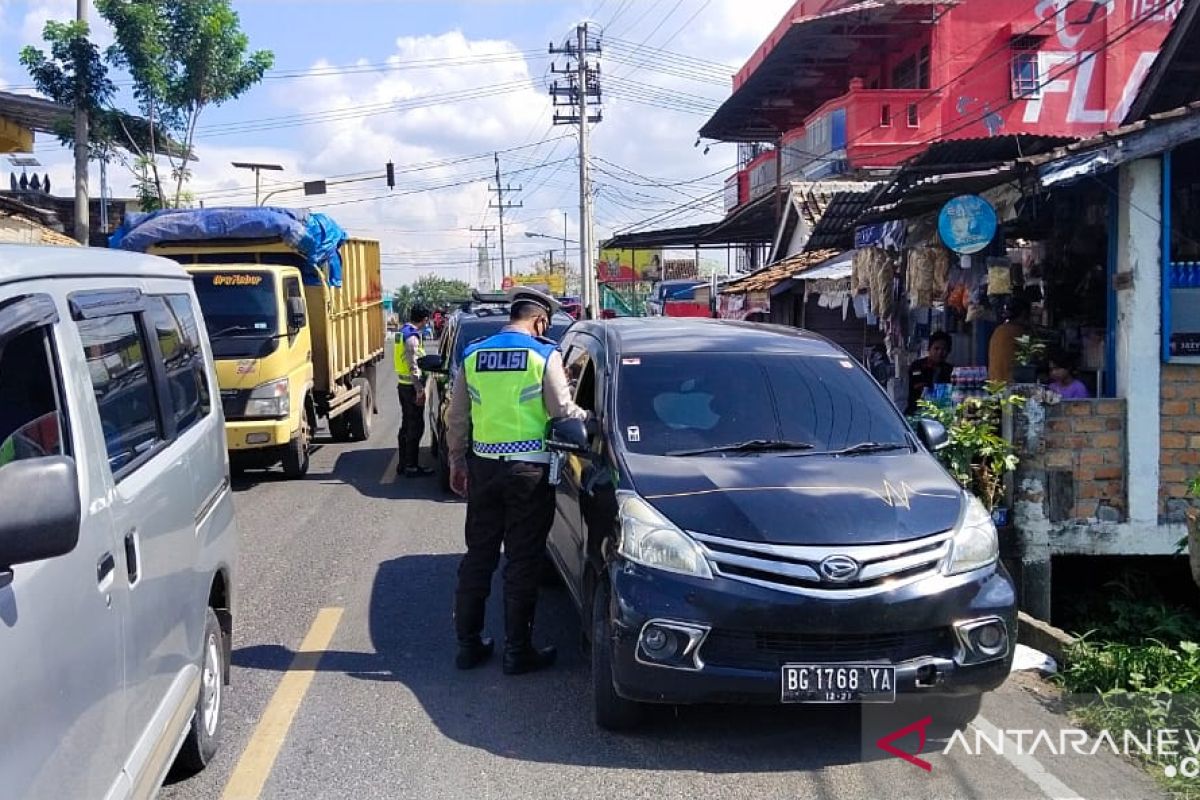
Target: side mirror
[[297, 318], [568, 436], [432, 363], [932, 434], [42, 511]]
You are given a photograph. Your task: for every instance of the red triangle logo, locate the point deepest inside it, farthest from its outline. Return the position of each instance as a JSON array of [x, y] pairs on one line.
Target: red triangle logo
[[885, 744]]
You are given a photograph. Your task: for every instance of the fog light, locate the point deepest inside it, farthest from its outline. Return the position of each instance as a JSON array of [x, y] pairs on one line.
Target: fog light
[[664, 643], [981, 640], [257, 438], [990, 637]]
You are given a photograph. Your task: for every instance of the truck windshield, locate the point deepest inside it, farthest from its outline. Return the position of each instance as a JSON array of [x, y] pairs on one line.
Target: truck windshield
[[715, 403], [241, 311]]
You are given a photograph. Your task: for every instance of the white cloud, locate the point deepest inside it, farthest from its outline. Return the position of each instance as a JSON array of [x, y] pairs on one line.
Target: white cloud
[[430, 226], [38, 12]]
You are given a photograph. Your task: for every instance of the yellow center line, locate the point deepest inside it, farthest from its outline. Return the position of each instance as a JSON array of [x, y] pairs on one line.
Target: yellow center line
[[258, 758], [389, 474]]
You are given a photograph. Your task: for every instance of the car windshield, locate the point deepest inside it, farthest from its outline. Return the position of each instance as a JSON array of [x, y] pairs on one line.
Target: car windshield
[[489, 326], [240, 310], [727, 403]]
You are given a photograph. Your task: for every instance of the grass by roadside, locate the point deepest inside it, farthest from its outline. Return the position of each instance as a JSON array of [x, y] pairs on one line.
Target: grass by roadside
[[1136, 667]]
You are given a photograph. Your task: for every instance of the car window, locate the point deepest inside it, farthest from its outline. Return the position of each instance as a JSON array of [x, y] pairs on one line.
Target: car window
[[31, 420], [179, 341], [581, 373], [121, 381], [681, 401]]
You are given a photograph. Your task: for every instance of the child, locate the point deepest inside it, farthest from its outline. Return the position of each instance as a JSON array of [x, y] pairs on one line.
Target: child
[[1062, 377]]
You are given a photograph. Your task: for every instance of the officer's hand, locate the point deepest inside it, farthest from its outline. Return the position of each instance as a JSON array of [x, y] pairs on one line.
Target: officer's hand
[[458, 479]]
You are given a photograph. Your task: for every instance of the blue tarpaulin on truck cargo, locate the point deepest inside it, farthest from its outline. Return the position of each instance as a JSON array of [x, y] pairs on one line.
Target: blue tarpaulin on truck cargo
[[315, 236]]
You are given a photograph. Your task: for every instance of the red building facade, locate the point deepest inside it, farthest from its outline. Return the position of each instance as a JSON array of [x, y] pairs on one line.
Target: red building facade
[[850, 87]]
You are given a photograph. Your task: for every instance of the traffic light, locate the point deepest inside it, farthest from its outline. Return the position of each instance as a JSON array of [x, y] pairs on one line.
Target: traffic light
[[391, 175]]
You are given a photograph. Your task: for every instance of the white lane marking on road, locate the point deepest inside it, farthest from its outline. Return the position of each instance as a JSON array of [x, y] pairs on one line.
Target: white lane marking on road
[[1028, 766], [258, 758], [389, 474]]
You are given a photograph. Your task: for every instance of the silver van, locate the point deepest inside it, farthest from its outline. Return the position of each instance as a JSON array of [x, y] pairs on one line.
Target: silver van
[[117, 537]]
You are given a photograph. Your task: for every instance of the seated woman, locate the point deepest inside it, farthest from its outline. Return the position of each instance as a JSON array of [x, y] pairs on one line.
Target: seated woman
[[1062, 377]]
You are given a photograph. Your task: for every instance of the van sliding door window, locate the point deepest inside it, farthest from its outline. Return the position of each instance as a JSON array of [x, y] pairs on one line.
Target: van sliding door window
[[31, 419], [117, 358], [179, 342]]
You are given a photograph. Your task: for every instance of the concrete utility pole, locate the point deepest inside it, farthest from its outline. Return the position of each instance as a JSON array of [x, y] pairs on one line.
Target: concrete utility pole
[[582, 94], [82, 206], [485, 266], [500, 189]]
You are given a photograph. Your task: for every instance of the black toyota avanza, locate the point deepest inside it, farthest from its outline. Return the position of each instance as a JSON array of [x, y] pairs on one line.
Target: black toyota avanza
[[756, 522]]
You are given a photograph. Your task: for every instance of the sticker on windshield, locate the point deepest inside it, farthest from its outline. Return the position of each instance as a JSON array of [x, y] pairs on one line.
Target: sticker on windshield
[[236, 280], [631, 362], [260, 326], [846, 364], [634, 434]]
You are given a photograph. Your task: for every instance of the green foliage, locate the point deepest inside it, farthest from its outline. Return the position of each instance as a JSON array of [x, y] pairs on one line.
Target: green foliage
[[1138, 669], [1029, 350], [182, 57], [977, 455], [430, 291]]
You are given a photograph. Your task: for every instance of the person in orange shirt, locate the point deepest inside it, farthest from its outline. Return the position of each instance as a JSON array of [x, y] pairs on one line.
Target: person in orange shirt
[[1002, 347]]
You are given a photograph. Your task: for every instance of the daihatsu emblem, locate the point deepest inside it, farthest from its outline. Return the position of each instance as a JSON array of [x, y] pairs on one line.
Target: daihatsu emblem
[[838, 569]]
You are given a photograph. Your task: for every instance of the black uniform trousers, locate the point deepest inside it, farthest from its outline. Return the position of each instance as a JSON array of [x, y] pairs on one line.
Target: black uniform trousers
[[509, 503], [412, 426]]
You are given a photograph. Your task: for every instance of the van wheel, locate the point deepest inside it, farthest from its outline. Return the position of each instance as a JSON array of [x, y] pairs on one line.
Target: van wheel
[[295, 452], [204, 736], [612, 712], [358, 419]]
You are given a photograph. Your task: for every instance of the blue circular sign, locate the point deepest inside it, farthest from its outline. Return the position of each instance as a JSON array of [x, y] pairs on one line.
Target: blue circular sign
[[967, 224]]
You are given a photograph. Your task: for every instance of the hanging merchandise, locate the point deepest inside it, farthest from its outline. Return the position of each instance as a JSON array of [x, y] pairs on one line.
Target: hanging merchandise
[[999, 279], [928, 275], [860, 270], [883, 273]]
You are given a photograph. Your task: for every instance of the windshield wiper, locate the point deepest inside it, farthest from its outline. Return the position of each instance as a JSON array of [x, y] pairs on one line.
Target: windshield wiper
[[868, 447], [748, 446], [243, 329]]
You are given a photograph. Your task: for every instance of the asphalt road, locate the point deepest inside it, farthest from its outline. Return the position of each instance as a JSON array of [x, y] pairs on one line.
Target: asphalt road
[[387, 716]]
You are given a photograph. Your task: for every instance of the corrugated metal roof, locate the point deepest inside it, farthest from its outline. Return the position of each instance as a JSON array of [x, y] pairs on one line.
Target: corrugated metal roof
[[835, 229], [764, 279]]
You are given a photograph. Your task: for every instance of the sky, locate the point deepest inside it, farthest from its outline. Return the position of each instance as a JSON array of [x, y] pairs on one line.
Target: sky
[[437, 87]]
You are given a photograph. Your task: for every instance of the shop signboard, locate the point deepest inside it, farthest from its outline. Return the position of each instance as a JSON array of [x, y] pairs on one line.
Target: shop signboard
[[967, 224], [554, 283], [630, 266], [1183, 317]]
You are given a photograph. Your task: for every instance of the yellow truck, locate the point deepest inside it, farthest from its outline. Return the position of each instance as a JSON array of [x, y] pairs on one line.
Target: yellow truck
[[294, 312]]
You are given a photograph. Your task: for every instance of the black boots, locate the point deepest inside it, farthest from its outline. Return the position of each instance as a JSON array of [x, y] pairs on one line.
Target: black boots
[[473, 650], [520, 656]]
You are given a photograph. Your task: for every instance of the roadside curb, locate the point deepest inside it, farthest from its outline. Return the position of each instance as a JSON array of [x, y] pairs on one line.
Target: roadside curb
[[1043, 636]]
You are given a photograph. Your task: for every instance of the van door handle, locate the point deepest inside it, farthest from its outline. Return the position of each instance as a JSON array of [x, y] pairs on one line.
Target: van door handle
[[131, 556], [105, 568]]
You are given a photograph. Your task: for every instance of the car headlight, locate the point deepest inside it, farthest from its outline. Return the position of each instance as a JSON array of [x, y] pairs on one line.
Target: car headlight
[[650, 539], [269, 400], [975, 543]]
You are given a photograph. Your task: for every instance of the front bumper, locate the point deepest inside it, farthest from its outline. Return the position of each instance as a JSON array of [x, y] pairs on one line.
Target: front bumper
[[753, 631], [258, 434]]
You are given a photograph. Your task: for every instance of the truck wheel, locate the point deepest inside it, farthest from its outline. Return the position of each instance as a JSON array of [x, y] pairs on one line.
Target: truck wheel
[[295, 452], [339, 429], [358, 419], [612, 712], [204, 735]]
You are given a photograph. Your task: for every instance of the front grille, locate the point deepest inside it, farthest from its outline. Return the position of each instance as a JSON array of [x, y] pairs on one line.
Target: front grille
[[797, 568], [765, 650]]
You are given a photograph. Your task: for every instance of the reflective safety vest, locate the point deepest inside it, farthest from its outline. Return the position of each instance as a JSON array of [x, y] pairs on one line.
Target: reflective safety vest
[[504, 380], [404, 373]]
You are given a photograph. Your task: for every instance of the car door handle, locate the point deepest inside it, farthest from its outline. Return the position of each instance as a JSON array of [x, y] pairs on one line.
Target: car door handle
[[105, 568], [131, 556]]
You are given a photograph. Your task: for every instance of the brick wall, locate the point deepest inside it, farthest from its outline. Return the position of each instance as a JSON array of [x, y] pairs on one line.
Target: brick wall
[[1083, 453], [1179, 459]]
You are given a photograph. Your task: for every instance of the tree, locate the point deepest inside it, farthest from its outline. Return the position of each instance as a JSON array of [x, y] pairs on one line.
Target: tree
[[430, 291], [181, 57]]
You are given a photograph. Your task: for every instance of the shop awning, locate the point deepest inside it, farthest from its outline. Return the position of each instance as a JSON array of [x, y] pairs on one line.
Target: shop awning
[[839, 266], [808, 61], [766, 279], [29, 113], [753, 223]]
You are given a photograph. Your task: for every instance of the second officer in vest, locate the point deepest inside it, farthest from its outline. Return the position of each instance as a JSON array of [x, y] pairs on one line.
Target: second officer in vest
[[510, 387]]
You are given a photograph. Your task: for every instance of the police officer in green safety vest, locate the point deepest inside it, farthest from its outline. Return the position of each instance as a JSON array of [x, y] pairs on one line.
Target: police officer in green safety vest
[[410, 385], [510, 386]]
